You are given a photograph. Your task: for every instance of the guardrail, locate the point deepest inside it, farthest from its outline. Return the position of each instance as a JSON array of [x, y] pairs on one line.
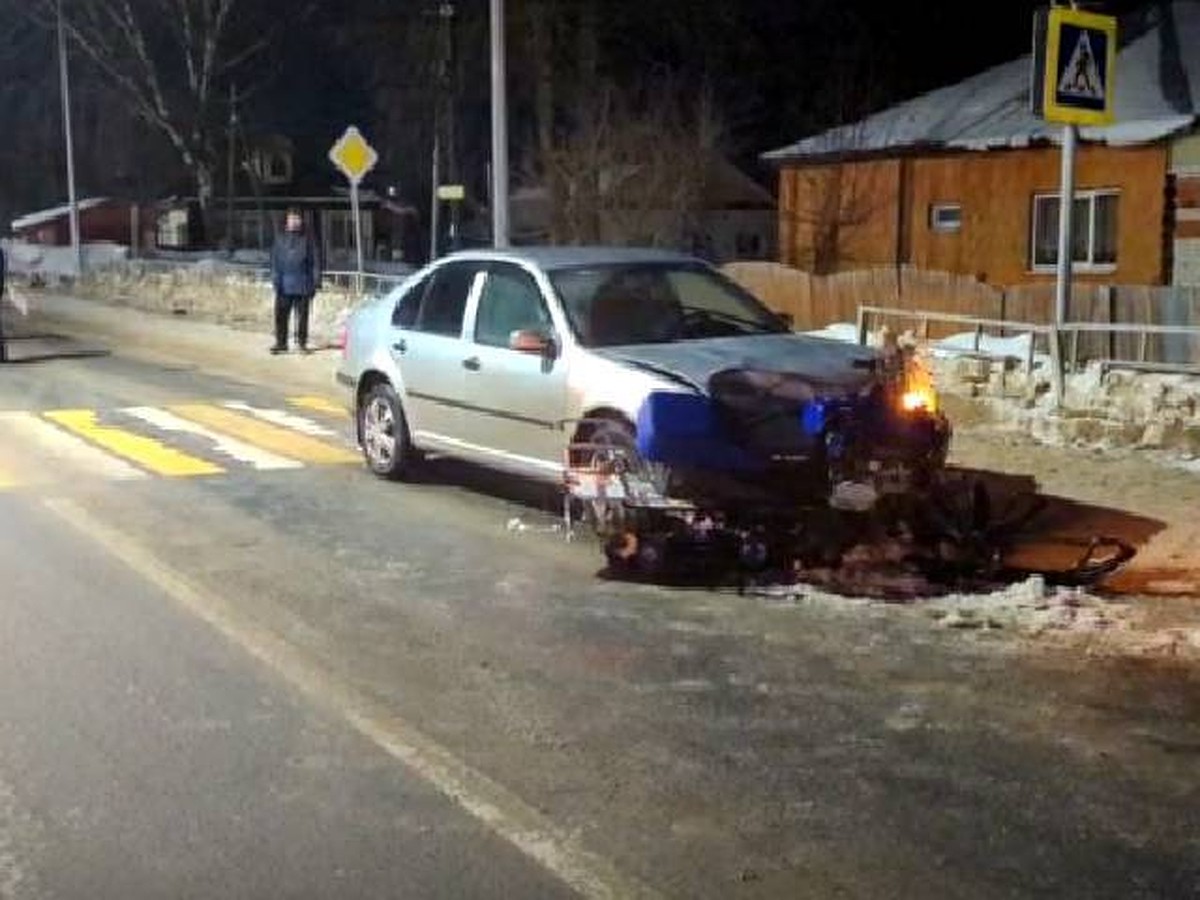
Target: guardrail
[[978, 324], [1062, 360]]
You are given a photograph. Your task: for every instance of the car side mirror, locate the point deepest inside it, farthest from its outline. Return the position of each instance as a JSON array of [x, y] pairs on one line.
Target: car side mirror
[[535, 343]]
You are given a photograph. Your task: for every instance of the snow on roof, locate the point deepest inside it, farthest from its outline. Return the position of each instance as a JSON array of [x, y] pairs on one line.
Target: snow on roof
[[1157, 95], [42, 217]]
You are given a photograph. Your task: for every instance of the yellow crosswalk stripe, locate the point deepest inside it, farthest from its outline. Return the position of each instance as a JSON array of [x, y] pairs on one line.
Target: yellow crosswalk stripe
[[143, 451], [269, 437], [319, 404]]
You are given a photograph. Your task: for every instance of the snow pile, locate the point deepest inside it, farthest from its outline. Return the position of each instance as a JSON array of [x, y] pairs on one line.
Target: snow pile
[[1103, 410], [846, 332], [1027, 607], [49, 263], [1017, 347]]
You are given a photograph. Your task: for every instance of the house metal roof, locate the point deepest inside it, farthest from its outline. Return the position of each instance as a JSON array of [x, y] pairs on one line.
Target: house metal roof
[[45, 216], [1157, 95]]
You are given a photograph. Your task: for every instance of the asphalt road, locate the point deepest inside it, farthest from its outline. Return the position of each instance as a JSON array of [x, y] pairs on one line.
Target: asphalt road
[[236, 665]]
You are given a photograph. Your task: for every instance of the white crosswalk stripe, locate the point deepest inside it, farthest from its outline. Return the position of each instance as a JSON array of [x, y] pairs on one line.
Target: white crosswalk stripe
[[63, 448], [285, 419], [232, 447]]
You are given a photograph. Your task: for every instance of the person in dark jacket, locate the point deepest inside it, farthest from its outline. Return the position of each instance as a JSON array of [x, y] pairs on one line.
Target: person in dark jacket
[[295, 275]]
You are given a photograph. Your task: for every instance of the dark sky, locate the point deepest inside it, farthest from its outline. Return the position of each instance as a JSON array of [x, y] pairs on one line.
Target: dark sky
[[780, 69]]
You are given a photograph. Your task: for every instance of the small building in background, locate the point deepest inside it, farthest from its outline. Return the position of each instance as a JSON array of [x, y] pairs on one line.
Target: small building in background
[[734, 217], [101, 219]]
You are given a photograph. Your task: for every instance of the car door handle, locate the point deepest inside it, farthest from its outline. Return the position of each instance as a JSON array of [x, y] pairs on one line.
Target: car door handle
[[400, 346], [472, 364]]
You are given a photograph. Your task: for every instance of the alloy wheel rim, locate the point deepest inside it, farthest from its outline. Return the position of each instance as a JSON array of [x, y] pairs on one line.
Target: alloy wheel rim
[[379, 432]]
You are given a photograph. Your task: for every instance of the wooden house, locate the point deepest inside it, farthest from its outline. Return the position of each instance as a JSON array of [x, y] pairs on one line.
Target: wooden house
[[965, 179]]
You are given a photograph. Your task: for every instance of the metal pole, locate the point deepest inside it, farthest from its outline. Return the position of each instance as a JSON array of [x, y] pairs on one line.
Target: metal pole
[[1062, 292], [434, 203], [65, 87], [1066, 208], [358, 238], [229, 174], [499, 128]]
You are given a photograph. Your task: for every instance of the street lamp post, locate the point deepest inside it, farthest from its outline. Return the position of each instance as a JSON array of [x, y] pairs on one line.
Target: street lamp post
[[499, 128], [65, 86]]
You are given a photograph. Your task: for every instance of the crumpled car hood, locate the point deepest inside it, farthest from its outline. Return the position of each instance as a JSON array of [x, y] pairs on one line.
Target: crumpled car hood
[[824, 362]]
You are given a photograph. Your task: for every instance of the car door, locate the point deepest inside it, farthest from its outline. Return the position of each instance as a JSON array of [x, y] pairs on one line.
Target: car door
[[429, 348], [515, 399]]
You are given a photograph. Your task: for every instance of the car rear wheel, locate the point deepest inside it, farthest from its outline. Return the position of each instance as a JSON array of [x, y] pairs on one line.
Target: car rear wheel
[[386, 445]]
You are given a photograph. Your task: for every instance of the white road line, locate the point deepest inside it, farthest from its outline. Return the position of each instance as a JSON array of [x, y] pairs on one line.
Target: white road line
[[284, 419], [232, 447], [64, 447], [507, 815]]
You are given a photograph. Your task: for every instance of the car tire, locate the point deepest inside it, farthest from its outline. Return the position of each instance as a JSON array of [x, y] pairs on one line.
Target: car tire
[[383, 432]]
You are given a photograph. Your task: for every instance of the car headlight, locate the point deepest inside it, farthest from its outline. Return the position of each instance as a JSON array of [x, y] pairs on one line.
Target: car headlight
[[919, 400]]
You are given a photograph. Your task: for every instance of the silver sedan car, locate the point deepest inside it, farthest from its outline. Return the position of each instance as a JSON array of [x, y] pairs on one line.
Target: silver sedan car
[[506, 357]]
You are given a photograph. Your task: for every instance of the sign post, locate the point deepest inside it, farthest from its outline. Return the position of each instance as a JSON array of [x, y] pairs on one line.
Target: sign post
[[354, 158], [1075, 56], [1074, 63]]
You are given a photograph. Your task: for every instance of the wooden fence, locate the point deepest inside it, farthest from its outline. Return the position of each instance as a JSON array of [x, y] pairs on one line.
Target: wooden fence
[[815, 301]]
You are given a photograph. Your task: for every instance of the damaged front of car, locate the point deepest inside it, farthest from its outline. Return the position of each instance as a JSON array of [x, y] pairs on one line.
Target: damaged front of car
[[786, 418]]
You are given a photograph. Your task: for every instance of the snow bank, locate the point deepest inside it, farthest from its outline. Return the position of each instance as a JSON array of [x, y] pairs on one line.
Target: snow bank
[[1015, 347], [845, 332], [58, 263]]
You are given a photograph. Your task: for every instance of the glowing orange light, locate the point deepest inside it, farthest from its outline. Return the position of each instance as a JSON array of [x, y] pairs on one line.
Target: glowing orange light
[[921, 399]]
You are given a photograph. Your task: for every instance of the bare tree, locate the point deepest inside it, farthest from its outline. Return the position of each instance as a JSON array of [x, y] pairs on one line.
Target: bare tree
[[172, 62], [632, 166]]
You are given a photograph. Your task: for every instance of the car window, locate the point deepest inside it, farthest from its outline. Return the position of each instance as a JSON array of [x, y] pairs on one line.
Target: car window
[[446, 300], [652, 303], [511, 301], [409, 305]]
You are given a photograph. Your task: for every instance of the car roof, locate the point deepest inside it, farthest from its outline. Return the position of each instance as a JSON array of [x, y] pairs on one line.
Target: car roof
[[549, 258]]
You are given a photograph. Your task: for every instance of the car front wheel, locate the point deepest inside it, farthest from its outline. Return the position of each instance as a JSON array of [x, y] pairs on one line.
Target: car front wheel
[[386, 445]]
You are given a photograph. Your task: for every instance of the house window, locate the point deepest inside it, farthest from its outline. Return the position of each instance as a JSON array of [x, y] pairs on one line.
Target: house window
[[1093, 230], [173, 228], [945, 217], [272, 165]]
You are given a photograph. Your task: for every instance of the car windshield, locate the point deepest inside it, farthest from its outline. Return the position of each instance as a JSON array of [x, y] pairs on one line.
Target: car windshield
[[657, 303]]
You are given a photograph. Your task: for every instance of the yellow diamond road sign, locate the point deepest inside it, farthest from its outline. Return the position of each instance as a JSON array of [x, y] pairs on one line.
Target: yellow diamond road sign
[[353, 155]]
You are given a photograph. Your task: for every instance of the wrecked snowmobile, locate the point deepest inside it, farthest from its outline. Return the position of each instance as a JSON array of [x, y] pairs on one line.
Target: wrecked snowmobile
[[841, 477]]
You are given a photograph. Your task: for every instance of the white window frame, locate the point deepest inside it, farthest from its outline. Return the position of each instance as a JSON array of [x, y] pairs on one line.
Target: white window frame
[[935, 222], [1085, 266]]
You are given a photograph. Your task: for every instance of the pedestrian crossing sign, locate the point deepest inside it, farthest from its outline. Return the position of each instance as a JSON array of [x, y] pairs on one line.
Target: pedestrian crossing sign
[[1075, 61]]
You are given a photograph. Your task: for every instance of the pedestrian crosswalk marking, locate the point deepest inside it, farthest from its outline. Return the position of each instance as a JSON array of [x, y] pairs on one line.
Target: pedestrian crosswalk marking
[[232, 447], [270, 437], [284, 419], [143, 451], [319, 404], [67, 449]]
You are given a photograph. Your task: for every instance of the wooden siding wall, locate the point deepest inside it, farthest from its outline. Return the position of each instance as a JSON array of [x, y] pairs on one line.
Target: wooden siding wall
[[995, 190]]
